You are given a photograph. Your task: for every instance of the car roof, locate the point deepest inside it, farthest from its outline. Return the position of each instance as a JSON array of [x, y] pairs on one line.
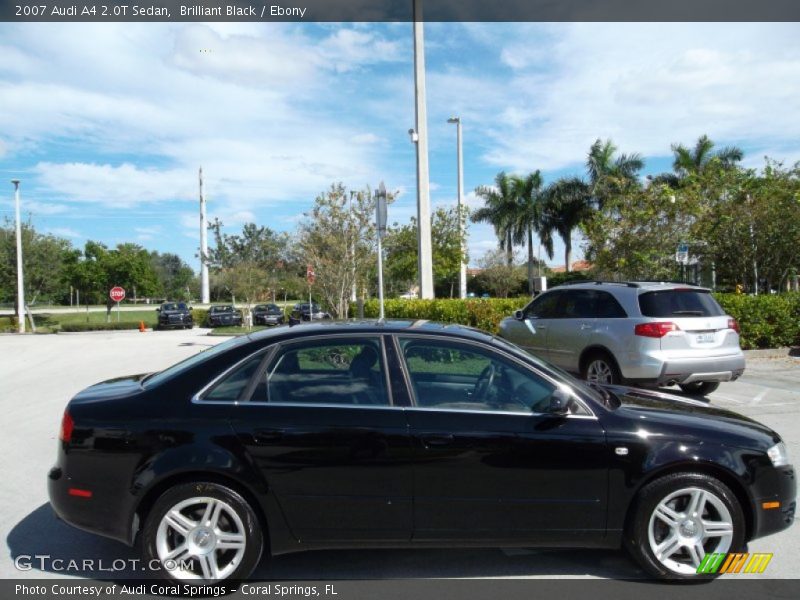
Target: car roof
[[373, 326], [647, 286]]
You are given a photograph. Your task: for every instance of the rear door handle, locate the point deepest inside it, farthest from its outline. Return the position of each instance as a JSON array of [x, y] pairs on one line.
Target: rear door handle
[[437, 440], [265, 436], [586, 326]]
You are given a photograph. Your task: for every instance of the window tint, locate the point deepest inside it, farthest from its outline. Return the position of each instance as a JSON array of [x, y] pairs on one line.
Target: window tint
[[326, 372], [545, 306], [607, 307], [231, 387], [679, 303], [577, 304], [453, 376]]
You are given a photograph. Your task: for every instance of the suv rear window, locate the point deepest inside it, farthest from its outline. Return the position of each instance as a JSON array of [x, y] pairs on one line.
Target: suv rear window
[[679, 303]]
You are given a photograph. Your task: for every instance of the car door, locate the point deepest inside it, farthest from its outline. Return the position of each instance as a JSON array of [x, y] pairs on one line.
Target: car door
[[531, 332], [571, 329], [489, 463], [321, 428]]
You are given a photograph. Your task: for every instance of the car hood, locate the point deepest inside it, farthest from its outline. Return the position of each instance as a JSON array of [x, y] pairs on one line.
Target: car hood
[[653, 410], [112, 388]]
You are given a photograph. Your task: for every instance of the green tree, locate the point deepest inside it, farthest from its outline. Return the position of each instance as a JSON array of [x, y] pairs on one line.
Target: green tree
[[176, 279], [529, 219], [692, 161], [611, 173], [500, 210], [497, 276], [567, 206], [400, 246]]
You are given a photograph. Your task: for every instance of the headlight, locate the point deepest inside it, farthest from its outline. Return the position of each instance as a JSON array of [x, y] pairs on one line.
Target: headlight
[[779, 455]]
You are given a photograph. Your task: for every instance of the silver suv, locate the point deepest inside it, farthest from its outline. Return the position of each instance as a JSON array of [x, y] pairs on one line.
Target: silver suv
[[641, 333]]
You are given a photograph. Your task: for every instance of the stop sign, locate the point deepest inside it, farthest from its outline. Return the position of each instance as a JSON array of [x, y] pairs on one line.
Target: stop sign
[[310, 275], [117, 294]]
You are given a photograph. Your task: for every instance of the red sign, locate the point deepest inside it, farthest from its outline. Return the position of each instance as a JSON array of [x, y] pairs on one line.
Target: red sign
[[310, 275], [117, 294]]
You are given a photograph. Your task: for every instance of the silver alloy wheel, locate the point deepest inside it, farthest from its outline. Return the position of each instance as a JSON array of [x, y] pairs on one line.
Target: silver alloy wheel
[[599, 371], [201, 538], [685, 526]]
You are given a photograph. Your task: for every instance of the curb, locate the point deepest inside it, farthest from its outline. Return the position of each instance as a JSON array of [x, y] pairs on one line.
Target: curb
[[772, 353]]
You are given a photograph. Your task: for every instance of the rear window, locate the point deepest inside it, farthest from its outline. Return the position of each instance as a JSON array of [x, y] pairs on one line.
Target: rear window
[[679, 303]]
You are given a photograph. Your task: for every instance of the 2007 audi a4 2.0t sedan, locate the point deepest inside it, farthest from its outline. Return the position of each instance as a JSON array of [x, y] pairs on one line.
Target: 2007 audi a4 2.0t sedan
[[406, 434]]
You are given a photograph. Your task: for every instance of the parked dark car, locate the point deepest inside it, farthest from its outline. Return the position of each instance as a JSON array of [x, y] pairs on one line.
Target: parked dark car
[[223, 315], [267, 314], [175, 314], [304, 311], [407, 434]]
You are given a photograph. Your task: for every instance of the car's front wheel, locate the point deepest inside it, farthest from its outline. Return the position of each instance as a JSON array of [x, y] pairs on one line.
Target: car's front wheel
[[201, 532], [700, 388], [680, 518]]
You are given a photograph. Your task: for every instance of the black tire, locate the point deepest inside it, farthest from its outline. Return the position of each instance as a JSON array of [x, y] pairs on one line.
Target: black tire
[[599, 359], [637, 539], [232, 500], [699, 388]]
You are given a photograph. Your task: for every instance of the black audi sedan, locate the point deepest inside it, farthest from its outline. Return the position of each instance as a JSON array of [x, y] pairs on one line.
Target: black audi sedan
[[267, 314], [224, 315], [406, 434], [175, 314], [303, 311]]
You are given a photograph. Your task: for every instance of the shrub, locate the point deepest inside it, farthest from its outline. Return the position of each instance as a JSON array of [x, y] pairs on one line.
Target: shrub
[[200, 317], [767, 320], [483, 313]]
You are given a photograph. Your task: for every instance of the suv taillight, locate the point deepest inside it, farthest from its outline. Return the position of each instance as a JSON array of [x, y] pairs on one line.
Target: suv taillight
[[655, 330], [67, 425], [732, 324]]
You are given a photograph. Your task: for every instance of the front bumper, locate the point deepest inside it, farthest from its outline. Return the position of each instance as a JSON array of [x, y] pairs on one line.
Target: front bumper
[[774, 485], [268, 319]]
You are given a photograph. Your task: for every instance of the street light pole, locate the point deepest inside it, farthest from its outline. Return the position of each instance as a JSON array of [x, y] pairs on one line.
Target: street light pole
[[425, 250], [20, 279], [462, 267]]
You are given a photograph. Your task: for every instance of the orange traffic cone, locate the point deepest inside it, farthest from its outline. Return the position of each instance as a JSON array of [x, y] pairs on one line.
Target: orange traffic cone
[[142, 328]]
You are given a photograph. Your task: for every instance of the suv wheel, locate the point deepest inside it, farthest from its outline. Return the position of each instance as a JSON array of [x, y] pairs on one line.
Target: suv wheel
[[202, 532], [601, 368], [678, 520], [700, 388]]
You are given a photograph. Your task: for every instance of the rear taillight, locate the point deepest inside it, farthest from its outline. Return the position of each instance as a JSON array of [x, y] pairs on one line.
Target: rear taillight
[[655, 330], [732, 324], [67, 425]]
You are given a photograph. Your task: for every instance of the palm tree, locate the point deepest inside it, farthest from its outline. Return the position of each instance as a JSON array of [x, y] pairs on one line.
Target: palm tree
[[500, 210], [610, 172], [567, 203], [529, 217], [695, 160]]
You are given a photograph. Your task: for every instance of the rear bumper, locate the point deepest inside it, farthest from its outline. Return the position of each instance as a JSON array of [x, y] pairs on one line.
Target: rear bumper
[[666, 370]]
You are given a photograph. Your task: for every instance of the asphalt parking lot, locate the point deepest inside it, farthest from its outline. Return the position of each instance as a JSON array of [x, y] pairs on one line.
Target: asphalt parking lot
[[38, 375]]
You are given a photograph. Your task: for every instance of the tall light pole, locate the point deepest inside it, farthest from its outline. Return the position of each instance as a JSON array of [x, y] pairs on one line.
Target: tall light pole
[[425, 251], [462, 268], [205, 296], [20, 279]]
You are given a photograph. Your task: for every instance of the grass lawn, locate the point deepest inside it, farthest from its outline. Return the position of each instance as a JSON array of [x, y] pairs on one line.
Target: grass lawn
[[51, 322], [231, 330]]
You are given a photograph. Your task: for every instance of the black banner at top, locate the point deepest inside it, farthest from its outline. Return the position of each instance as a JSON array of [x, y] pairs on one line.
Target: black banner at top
[[401, 10]]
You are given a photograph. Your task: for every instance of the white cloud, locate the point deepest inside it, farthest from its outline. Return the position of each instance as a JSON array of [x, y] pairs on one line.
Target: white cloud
[[64, 232]]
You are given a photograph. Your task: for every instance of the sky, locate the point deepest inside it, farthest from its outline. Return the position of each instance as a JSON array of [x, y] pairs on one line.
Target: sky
[[107, 124]]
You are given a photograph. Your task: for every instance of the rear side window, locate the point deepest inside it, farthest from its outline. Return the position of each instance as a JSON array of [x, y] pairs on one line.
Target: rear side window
[[607, 307], [679, 303], [232, 386]]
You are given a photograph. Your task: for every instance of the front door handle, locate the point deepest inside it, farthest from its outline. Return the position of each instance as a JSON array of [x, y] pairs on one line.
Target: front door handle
[[266, 436], [437, 440], [586, 326]]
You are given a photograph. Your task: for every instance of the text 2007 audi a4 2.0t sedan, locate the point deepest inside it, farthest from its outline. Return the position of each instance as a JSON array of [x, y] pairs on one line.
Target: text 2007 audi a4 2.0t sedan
[[406, 434]]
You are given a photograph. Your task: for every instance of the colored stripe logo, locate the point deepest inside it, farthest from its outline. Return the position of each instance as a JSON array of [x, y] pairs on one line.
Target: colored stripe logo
[[734, 562]]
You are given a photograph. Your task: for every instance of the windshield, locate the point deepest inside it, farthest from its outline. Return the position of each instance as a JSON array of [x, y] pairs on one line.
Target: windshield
[[188, 363], [173, 306], [219, 309], [679, 303]]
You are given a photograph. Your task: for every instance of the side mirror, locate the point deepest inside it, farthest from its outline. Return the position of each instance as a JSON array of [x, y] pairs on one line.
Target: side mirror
[[559, 403], [158, 310], [519, 315], [190, 308]]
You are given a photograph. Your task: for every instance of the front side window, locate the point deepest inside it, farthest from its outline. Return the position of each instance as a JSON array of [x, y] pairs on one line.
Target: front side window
[[455, 376], [545, 306], [334, 371]]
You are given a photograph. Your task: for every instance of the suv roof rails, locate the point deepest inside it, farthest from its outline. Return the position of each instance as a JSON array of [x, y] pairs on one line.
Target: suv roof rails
[[598, 282], [665, 282]]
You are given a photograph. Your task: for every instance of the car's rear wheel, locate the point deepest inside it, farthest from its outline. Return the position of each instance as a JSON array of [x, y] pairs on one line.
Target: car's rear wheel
[[599, 367], [700, 388], [201, 532], [680, 518]]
